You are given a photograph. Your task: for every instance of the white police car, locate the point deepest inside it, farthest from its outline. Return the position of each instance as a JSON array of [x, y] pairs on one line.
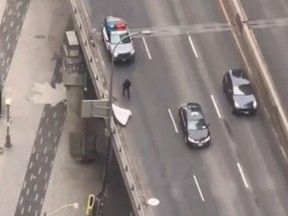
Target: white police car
[[115, 34]]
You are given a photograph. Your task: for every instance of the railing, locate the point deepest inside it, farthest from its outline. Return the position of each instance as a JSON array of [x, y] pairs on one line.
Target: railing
[[88, 44]]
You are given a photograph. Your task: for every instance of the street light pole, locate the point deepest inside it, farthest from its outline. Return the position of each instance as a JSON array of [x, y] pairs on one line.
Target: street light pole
[[144, 32], [8, 144], [74, 205]]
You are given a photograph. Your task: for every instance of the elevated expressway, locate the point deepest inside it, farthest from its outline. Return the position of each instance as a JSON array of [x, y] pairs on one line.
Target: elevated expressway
[[240, 173]]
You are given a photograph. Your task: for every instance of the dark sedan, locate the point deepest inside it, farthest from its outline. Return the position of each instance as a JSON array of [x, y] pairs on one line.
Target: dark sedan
[[195, 129], [239, 92]]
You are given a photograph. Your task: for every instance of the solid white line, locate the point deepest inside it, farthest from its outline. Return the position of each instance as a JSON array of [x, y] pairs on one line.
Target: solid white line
[[192, 45], [242, 175], [146, 48], [199, 189], [173, 122], [101, 58], [216, 107]]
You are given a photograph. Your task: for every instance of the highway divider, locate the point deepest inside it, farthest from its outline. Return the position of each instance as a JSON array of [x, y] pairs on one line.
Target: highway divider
[[88, 43], [257, 69]]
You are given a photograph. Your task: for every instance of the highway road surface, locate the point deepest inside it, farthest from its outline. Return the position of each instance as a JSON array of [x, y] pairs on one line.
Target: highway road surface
[[239, 174], [272, 38]]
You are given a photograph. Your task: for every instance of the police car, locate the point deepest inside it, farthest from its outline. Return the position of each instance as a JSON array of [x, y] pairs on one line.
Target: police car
[[115, 33]]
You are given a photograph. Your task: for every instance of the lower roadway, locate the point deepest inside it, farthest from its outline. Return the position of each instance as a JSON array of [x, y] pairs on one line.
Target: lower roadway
[[239, 174]]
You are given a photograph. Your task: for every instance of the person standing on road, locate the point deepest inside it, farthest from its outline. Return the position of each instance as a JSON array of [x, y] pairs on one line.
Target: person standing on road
[[126, 87]]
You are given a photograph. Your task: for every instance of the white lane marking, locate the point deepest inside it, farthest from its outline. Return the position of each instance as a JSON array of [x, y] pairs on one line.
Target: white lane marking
[[56, 123], [43, 114], [193, 47], [37, 155], [30, 165], [49, 134], [45, 150], [29, 209], [242, 175], [35, 187], [46, 185], [101, 58], [216, 107], [36, 197], [4, 29], [46, 175], [8, 59], [7, 38], [55, 139], [33, 150], [47, 119], [46, 160], [40, 130], [42, 200], [199, 189], [10, 12], [173, 121], [24, 185], [22, 210], [12, 24], [36, 213], [51, 164], [27, 192], [8, 46], [21, 200], [41, 140], [146, 48], [39, 170], [54, 114]]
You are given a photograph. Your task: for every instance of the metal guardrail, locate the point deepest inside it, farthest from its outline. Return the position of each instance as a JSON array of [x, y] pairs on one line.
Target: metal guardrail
[[84, 31], [257, 68]]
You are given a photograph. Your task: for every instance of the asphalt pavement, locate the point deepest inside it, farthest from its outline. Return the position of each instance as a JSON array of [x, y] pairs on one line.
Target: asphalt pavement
[[272, 38], [240, 173]]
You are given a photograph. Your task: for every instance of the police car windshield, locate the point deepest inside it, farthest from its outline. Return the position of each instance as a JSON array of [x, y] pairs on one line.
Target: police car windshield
[[123, 37]]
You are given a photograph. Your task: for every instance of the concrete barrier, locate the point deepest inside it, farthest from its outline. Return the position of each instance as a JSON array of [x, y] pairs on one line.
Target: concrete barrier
[[88, 43], [257, 69]]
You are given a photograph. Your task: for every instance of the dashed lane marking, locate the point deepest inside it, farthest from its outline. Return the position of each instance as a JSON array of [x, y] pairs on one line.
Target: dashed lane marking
[[216, 106], [242, 175], [198, 187], [173, 121], [40, 130]]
